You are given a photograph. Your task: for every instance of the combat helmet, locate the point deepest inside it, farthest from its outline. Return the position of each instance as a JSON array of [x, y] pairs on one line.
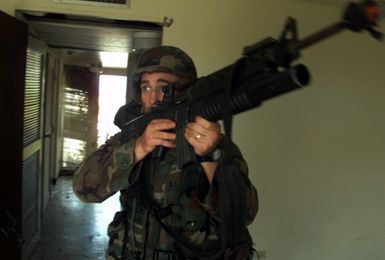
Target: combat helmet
[[164, 59]]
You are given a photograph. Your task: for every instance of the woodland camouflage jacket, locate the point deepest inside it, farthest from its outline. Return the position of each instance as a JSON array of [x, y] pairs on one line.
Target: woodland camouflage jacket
[[191, 201]]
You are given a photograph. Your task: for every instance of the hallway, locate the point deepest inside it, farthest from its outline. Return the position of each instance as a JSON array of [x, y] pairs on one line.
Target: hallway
[[71, 229]]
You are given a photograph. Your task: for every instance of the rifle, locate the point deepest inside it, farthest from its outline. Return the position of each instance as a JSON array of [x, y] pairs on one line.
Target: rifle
[[265, 71]]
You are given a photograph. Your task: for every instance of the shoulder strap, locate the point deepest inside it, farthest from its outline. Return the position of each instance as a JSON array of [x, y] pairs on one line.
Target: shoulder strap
[[158, 212]]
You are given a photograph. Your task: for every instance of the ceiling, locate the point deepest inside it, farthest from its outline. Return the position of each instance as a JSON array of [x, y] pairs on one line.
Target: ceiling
[[81, 44], [81, 40], [84, 36]]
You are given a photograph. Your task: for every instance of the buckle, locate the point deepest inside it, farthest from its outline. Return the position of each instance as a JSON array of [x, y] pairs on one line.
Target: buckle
[[163, 255]]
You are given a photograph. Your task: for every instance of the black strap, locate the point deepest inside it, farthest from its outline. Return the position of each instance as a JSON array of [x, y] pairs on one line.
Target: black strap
[[198, 251], [142, 196], [231, 186]]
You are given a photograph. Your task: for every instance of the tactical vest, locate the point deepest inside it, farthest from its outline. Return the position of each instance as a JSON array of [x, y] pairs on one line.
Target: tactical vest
[[177, 195]]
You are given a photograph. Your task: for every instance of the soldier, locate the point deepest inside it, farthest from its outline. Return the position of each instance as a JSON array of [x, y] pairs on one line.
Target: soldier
[[167, 212]]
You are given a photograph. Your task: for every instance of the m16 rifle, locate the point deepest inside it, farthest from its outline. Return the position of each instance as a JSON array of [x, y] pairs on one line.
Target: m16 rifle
[[265, 71]]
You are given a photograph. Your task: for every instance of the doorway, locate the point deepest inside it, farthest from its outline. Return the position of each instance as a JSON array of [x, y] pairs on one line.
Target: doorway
[[86, 46], [78, 44], [112, 95]]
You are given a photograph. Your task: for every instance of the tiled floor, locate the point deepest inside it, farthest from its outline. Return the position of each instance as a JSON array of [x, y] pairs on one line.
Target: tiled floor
[[73, 230]]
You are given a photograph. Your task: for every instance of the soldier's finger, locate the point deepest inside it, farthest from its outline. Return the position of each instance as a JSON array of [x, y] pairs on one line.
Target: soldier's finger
[[191, 139], [193, 134], [195, 127], [166, 143], [206, 123], [165, 135], [162, 124]]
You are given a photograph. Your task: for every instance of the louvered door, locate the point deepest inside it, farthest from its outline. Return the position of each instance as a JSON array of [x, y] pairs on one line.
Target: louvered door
[[32, 143]]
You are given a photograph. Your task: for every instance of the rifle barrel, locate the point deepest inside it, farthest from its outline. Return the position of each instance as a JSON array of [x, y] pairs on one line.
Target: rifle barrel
[[323, 34], [252, 92]]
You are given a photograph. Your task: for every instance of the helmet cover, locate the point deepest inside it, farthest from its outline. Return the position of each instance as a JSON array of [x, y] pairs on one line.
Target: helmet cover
[[167, 59]]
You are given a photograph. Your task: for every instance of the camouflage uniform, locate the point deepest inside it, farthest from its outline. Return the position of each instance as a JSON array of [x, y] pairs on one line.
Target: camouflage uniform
[[188, 203]]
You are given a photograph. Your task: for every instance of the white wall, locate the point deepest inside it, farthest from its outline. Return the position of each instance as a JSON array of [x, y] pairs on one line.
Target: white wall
[[317, 156], [322, 185], [7, 7]]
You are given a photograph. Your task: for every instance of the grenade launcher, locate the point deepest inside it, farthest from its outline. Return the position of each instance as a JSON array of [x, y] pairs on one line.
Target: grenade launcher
[[263, 72]]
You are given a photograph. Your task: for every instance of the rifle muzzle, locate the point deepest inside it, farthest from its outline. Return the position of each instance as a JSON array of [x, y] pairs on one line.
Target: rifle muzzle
[[252, 92]]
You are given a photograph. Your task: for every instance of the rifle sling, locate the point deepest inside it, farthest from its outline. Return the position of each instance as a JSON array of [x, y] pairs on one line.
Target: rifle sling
[[231, 202], [158, 212]]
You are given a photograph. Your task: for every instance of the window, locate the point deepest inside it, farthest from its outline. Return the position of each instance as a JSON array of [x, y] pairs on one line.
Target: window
[[112, 95]]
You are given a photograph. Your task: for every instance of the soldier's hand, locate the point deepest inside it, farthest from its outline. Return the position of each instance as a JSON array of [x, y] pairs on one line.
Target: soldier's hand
[[156, 133], [203, 135]]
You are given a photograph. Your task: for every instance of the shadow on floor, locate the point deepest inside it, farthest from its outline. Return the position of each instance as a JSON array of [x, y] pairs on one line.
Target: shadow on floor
[[72, 229]]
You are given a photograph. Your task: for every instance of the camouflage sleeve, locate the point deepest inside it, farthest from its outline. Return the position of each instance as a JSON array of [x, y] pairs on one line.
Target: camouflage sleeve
[[211, 202], [105, 171]]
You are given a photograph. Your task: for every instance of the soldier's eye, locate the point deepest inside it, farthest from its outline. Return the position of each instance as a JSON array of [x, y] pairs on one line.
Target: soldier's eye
[[146, 88]]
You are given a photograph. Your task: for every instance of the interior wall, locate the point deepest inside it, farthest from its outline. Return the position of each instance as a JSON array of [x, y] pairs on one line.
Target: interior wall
[[315, 155], [7, 7]]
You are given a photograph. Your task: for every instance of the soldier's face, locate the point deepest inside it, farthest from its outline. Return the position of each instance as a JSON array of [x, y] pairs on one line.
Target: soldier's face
[[151, 85]]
